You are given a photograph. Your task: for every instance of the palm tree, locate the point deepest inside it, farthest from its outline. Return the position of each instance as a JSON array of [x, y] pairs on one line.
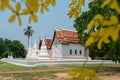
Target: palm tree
[[28, 32]]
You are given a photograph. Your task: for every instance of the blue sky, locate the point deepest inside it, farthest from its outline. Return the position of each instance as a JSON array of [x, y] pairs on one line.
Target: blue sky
[[56, 18]]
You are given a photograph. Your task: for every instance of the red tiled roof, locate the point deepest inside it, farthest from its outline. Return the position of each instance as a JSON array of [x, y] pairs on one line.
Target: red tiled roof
[[48, 43], [66, 36]]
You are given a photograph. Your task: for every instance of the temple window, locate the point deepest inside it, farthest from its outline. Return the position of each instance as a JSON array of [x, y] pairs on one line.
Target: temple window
[[75, 52], [80, 52], [70, 51]]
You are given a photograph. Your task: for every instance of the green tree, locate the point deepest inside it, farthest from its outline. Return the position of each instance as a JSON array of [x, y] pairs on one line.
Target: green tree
[[5, 54], [7, 43], [15, 47], [28, 32], [18, 49], [84, 19], [1, 46]]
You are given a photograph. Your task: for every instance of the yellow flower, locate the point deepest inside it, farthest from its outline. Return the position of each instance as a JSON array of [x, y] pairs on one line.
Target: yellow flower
[[82, 2], [115, 6], [33, 5], [44, 6], [53, 2], [17, 7], [113, 21], [90, 25], [95, 21], [105, 36], [3, 4], [114, 32], [13, 17], [99, 17], [73, 2], [90, 41], [26, 11], [34, 18], [75, 8], [108, 27], [106, 2], [99, 44]]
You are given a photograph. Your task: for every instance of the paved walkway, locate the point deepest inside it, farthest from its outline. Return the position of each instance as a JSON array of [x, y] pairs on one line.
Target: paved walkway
[[36, 71]]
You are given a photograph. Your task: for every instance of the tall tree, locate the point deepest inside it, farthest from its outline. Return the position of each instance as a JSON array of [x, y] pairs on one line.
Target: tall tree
[[110, 50], [28, 32]]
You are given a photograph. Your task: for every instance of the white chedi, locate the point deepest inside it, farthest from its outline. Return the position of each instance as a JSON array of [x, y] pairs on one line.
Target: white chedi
[[35, 53], [43, 54], [32, 52]]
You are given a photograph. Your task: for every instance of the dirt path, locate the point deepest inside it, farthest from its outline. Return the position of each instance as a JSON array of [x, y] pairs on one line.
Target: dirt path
[[111, 77]]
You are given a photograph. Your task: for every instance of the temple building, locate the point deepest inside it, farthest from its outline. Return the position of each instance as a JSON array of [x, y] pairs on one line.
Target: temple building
[[64, 45]]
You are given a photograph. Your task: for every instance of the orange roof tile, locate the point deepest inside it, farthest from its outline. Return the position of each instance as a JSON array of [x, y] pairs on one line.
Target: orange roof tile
[[48, 43], [66, 36]]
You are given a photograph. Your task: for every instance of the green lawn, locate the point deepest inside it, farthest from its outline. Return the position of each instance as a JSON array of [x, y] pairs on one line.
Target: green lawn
[[30, 76], [27, 76], [10, 67], [88, 65]]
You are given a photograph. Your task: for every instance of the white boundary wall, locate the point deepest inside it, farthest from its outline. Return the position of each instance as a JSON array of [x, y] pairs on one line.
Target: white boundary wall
[[33, 63]]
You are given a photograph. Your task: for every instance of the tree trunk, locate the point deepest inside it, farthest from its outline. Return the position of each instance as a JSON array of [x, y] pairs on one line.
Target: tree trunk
[[28, 41]]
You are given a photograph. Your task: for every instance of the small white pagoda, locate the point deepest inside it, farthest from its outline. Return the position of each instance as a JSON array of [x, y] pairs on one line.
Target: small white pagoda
[[32, 52], [35, 53], [43, 54]]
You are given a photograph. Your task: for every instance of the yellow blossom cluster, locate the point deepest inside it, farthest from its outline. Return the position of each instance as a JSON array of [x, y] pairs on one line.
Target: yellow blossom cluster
[[112, 29], [83, 74], [34, 6], [75, 8], [31, 8]]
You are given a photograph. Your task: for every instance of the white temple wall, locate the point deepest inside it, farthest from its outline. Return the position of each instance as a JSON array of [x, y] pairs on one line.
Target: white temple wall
[[76, 50], [56, 48], [50, 52]]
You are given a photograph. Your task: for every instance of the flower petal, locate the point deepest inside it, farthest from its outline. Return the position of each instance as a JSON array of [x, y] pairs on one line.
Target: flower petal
[[19, 20], [12, 18], [17, 7], [34, 18]]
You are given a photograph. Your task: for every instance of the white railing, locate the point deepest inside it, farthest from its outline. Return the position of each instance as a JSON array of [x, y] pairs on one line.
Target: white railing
[[32, 63]]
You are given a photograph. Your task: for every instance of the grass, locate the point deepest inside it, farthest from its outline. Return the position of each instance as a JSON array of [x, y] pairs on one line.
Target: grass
[[88, 65], [28, 76], [10, 67]]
